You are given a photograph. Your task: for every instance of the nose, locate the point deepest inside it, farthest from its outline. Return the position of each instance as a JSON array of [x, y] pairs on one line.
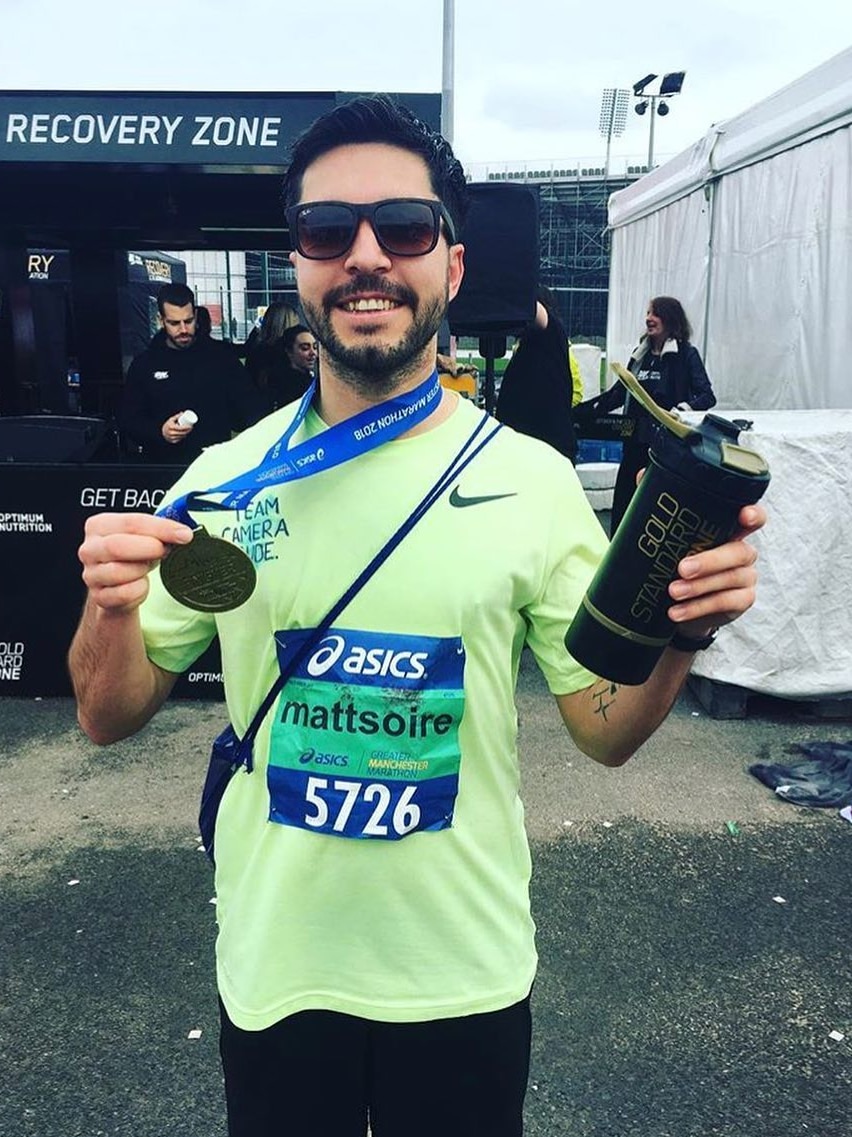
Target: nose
[[365, 254]]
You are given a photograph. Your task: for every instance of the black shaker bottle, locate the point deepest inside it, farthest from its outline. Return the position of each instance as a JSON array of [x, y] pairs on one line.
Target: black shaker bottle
[[689, 499]]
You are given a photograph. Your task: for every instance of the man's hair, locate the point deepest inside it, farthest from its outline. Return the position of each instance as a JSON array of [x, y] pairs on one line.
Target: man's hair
[[670, 311], [177, 294], [377, 118]]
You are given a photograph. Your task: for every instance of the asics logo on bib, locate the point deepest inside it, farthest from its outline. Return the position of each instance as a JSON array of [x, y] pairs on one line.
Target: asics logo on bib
[[359, 660], [319, 758]]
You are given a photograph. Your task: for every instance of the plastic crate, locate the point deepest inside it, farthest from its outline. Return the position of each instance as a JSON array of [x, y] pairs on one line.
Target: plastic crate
[[594, 450]]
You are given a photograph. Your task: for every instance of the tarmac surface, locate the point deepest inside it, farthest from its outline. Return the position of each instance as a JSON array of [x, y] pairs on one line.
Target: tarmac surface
[[692, 972]]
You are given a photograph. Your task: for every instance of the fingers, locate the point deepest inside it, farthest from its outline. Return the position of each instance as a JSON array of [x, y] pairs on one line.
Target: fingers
[[720, 605], [751, 519], [718, 585], [138, 524], [173, 432], [118, 552]]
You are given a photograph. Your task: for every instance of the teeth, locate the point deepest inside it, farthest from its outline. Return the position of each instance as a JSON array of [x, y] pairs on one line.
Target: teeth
[[371, 305]]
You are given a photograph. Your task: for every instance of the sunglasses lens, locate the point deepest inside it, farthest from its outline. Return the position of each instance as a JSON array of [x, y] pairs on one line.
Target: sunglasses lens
[[404, 228], [407, 228], [325, 231]]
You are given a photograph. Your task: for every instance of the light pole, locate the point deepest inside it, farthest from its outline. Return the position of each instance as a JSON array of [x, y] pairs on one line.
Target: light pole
[[614, 103], [671, 84], [448, 64]]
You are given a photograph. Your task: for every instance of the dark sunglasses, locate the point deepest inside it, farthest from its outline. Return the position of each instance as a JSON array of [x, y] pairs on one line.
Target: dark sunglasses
[[404, 226]]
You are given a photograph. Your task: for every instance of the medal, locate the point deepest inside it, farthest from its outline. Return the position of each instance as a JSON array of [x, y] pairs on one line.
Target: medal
[[209, 574]]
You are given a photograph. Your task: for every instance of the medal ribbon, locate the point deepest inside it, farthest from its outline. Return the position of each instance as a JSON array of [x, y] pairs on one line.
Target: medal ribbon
[[339, 443]]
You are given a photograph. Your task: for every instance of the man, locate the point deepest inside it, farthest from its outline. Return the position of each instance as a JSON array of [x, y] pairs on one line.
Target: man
[[182, 371], [375, 956]]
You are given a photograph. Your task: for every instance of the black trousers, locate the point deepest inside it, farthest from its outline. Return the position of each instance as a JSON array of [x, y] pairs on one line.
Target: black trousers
[[634, 458], [323, 1074]]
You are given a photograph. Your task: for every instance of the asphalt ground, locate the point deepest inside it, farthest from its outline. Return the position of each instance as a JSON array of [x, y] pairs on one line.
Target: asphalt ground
[[691, 976]]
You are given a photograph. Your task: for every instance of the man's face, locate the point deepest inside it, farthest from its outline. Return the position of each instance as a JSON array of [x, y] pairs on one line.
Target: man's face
[[179, 325], [303, 354], [376, 315]]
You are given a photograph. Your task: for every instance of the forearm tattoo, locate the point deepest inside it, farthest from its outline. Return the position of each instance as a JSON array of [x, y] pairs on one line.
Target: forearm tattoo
[[604, 694]]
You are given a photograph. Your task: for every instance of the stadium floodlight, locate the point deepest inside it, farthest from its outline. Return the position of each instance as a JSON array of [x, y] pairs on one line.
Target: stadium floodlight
[[639, 87], [614, 104], [672, 83]]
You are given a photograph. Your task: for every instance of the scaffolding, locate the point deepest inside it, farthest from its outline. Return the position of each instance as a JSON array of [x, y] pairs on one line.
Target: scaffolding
[[575, 251]]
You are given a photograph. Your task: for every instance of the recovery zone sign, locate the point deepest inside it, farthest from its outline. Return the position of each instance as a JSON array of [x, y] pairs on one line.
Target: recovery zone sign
[[196, 129], [162, 128]]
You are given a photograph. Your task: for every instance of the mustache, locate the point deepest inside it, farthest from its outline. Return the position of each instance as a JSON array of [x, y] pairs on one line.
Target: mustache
[[367, 282]]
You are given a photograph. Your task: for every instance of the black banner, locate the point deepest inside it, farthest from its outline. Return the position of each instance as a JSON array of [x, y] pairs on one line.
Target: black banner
[[48, 266], [166, 128], [155, 268], [41, 527]]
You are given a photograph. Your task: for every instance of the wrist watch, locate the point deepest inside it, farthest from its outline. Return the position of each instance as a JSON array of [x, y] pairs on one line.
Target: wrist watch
[[680, 642]]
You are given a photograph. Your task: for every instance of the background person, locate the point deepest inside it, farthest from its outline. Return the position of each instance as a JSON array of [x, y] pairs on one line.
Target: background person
[[204, 333], [536, 390], [287, 367], [203, 323], [375, 933], [179, 371], [277, 318], [576, 378], [670, 369]]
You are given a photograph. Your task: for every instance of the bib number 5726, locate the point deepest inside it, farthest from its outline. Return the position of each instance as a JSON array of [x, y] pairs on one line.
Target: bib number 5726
[[359, 808]]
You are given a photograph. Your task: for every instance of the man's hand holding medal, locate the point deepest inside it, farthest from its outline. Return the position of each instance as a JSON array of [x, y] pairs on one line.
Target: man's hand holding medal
[[119, 551]]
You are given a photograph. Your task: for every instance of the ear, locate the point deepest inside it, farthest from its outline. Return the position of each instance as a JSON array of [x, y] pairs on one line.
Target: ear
[[455, 270]]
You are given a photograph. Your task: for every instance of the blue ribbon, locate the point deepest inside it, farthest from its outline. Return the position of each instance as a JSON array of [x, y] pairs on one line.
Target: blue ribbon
[[339, 443]]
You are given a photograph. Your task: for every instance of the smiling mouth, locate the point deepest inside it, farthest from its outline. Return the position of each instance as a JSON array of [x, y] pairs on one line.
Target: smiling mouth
[[373, 304]]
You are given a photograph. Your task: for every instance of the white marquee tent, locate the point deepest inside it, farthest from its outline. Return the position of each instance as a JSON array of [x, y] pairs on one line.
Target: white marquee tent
[[751, 228]]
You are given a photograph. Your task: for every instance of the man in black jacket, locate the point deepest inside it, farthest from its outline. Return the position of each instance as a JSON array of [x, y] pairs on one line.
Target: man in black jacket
[[182, 372]]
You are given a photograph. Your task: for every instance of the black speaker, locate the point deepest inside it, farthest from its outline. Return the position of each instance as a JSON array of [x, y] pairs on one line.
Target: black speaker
[[50, 438], [501, 261]]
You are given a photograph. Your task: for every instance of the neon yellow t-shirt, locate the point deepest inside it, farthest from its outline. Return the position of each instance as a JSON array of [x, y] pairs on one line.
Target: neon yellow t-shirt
[[365, 913]]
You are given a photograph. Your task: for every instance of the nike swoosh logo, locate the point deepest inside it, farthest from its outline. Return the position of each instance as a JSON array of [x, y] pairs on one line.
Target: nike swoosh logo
[[460, 502]]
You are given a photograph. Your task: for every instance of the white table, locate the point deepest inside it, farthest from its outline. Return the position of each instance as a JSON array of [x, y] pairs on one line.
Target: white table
[[796, 642]]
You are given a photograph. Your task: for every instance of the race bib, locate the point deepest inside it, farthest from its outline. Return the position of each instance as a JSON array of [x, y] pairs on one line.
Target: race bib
[[365, 736]]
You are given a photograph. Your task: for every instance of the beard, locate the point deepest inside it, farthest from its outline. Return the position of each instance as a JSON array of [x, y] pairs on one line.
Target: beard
[[376, 369]]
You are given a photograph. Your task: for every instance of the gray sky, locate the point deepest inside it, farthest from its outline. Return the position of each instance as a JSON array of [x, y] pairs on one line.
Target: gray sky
[[528, 76]]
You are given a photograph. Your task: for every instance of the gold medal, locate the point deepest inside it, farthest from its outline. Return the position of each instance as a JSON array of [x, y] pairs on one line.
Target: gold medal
[[209, 574]]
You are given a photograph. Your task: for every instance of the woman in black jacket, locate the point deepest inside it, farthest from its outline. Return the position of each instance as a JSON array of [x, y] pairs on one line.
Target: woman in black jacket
[[670, 369], [285, 369]]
